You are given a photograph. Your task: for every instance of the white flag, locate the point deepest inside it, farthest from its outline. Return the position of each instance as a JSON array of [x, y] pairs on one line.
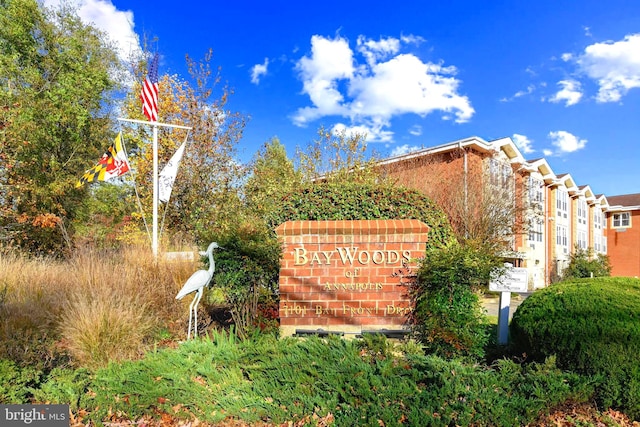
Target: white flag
[[168, 175]]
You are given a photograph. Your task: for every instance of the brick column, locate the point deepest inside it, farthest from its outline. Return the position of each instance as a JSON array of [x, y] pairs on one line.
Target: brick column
[[347, 276]]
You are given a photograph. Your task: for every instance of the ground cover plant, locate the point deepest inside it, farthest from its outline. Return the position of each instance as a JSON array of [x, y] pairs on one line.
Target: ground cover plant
[[593, 328], [310, 382]]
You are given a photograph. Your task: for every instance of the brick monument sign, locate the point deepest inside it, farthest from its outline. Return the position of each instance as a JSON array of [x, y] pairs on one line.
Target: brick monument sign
[[347, 276]]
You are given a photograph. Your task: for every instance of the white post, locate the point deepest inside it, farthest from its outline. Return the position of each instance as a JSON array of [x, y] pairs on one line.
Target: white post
[[503, 318], [154, 227]]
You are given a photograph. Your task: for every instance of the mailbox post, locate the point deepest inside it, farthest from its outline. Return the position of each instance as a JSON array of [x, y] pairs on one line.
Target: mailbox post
[[514, 279]]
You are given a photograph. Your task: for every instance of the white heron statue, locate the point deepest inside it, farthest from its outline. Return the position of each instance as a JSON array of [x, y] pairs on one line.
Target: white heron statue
[[197, 283]]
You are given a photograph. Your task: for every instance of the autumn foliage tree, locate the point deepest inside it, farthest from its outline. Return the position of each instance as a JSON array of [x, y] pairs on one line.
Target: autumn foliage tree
[[56, 75]]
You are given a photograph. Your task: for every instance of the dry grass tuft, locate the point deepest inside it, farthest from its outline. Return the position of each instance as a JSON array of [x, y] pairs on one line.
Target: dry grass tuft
[[99, 327], [95, 306]]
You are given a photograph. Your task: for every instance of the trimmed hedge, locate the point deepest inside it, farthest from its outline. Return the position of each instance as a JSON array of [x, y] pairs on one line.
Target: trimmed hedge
[[593, 328], [351, 201]]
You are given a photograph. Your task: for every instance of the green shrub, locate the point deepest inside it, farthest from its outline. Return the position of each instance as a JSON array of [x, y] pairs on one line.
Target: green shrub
[[352, 201], [64, 386], [593, 328], [247, 271], [448, 317]]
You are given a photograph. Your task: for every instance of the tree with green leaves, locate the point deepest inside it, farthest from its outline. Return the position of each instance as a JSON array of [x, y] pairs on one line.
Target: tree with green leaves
[[338, 157], [57, 75], [273, 176], [204, 200], [586, 263]]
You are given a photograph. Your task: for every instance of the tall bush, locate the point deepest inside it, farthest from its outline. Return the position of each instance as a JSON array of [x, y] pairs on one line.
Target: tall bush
[[247, 271], [355, 201], [593, 327], [448, 317]]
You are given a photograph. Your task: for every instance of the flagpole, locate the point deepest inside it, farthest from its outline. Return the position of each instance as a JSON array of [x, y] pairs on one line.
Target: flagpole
[[154, 227], [154, 240]]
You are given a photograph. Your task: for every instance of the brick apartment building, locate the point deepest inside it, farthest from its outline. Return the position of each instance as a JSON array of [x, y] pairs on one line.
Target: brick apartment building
[[624, 234], [558, 213]]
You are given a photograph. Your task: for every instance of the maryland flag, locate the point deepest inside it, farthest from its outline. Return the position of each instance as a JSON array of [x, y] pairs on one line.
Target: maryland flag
[[112, 164]]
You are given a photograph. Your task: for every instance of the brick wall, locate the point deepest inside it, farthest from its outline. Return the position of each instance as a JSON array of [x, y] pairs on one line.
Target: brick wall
[[623, 247], [347, 276]]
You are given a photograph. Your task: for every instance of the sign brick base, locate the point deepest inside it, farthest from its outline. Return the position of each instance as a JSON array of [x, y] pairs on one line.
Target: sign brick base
[[347, 276]]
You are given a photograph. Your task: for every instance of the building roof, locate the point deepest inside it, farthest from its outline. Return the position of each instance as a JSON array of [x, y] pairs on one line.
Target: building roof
[[631, 201]]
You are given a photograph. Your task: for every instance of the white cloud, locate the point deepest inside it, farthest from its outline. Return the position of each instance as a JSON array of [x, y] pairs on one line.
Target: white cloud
[[374, 51], [614, 65], [571, 92], [416, 130], [370, 93], [520, 93], [371, 133], [566, 142], [547, 152], [117, 24], [330, 61], [258, 71], [403, 149], [523, 143]]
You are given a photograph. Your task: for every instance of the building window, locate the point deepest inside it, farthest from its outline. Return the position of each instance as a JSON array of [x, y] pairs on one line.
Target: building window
[[622, 219], [582, 211], [535, 230], [535, 191], [561, 235], [596, 243], [501, 173], [561, 203], [597, 218], [582, 239]]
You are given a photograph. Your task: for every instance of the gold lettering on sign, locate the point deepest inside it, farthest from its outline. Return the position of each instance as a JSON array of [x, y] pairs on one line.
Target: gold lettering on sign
[[350, 255], [289, 310], [352, 286], [354, 273], [349, 311], [300, 256]]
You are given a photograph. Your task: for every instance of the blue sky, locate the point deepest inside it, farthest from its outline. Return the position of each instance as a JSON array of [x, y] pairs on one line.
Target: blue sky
[[562, 78]]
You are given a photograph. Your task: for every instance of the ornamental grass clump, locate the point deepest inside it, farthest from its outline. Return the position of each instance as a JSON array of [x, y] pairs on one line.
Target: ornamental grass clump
[[592, 326], [32, 295], [87, 308]]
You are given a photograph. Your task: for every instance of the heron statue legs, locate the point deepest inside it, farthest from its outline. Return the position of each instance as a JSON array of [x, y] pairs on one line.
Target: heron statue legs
[[193, 313]]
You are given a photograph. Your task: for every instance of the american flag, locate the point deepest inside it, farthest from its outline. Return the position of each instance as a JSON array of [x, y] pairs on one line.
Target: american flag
[[149, 94]]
